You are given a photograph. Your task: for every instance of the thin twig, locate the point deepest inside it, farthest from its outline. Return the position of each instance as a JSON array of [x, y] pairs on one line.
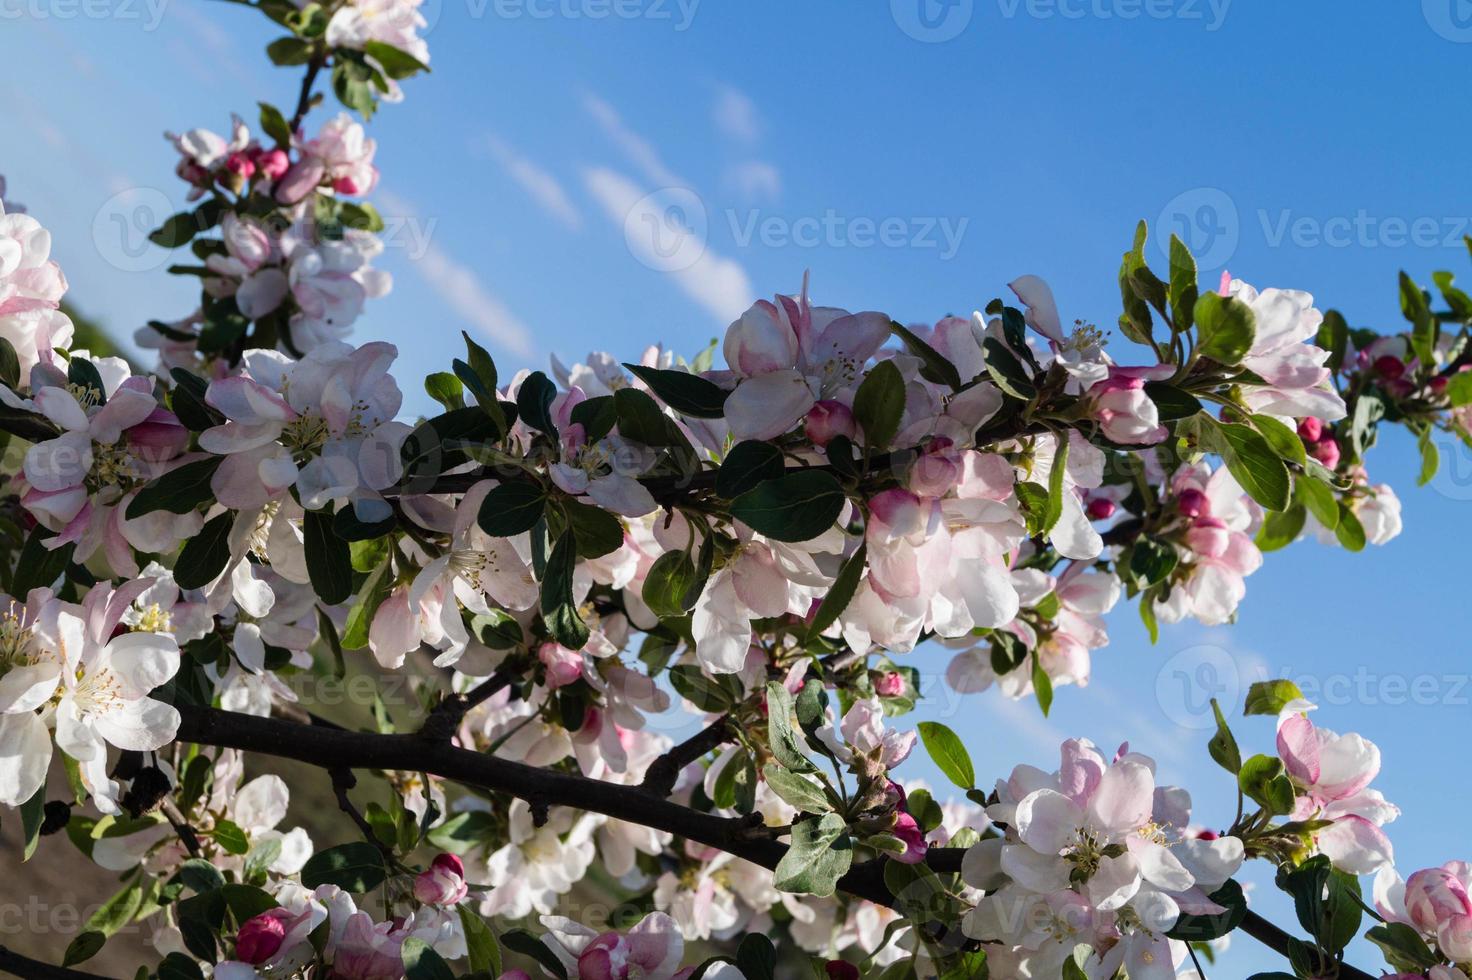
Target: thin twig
[[664, 772]]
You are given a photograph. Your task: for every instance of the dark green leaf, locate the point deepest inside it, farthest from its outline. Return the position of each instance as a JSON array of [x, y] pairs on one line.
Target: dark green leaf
[[354, 867], [949, 753], [785, 745], [1226, 328], [206, 554], [558, 610], [879, 404], [178, 491], [512, 508], [329, 560], [688, 394], [841, 593], [534, 402], [933, 367], [796, 506], [746, 465]]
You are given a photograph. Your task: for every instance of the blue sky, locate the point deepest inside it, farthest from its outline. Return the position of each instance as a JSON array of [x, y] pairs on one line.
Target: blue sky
[[915, 159]]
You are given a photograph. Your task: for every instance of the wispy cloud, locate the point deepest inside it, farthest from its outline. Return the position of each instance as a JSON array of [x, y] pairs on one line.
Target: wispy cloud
[[754, 180], [536, 180], [736, 115], [462, 290], [718, 284], [641, 152]]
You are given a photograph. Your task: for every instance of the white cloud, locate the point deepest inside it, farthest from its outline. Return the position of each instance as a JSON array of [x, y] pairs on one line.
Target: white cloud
[[639, 150], [754, 180], [461, 289], [736, 115], [464, 293], [544, 188], [718, 284]]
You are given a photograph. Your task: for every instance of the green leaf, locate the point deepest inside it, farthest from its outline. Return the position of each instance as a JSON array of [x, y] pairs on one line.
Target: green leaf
[[230, 837], [1423, 324], [1318, 497], [446, 389], [1172, 403], [1222, 746], [1284, 440], [288, 51], [355, 867], [478, 372], [274, 124], [83, 948], [534, 402], [597, 416], [1152, 560], [879, 404], [178, 491], [1349, 531], [688, 394], [746, 465], [933, 367], [1253, 462], [1007, 371], [1270, 697], [206, 554], [1203, 928], [39, 566], [820, 854], [329, 559], [200, 875], [375, 589], [1403, 947], [1226, 328], [396, 63], [178, 966], [669, 584], [1459, 389], [523, 942], [176, 230], [1334, 338], [756, 957], [483, 952], [786, 747], [9, 364], [1263, 781], [597, 531], [32, 813], [1042, 686], [461, 832], [708, 693], [1281, 528], [558, 609], [642, 420], [796, 506], [949, 753], [1053, 510], [802, 793], [421, 962], [187, 401], [841, 592], [512, 508], [1430, 458], [1184, 290]]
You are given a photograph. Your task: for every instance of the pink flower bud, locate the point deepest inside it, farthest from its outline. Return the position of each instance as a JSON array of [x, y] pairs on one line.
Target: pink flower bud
[[762, 341], [1326, 452], [346, 185], [890, 684], [1389, 367], [1193, 503], [442, 883], [827, 419], [908, 830], [1209, 538], [1435, 896], [273, 163], [938, 469], [260, 937], [1100, 509], [563, 665], [841, 970], [1438, 384], [301, 180], [241, 165], [1310, 429]]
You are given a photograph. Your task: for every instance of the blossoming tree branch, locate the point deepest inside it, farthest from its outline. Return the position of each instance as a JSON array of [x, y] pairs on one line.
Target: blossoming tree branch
[[785, 544]]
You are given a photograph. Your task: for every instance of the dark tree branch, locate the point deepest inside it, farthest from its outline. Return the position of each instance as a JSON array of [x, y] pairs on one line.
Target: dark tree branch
[[28, 969], [445, 717], [339, 749], [660, 777]]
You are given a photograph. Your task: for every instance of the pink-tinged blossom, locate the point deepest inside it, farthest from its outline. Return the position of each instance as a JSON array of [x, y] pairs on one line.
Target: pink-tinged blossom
[[443, 882], [31, 287], [324, 423], [203, 154], [651, 950], [1124, 411], [1331, 775], [1283, 354]]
